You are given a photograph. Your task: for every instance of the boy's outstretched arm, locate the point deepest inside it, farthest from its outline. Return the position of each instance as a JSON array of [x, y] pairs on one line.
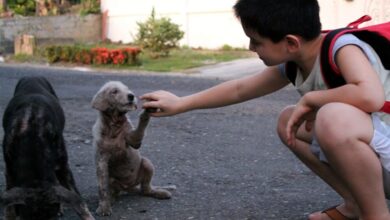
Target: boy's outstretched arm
[[227, 93]]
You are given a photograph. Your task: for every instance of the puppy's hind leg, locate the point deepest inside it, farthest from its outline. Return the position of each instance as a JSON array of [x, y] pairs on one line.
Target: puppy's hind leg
[[146, 174]]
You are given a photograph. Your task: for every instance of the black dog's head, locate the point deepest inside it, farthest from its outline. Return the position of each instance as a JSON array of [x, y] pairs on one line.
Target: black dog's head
[[38, 204]]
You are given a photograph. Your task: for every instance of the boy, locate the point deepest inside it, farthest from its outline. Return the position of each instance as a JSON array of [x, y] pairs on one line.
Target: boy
[[330, 130]]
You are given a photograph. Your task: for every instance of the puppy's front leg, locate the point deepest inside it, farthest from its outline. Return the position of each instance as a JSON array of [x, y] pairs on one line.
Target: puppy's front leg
[[102, 173], [134, 138]]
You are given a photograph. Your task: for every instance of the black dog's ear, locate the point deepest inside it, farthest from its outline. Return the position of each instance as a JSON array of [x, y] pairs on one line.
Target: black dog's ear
[[99, 103], [56, 194], [15, 195]]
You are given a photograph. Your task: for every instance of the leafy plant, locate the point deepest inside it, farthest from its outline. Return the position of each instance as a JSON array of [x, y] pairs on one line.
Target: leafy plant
[[22, 7], [90, 7], [158, 35]]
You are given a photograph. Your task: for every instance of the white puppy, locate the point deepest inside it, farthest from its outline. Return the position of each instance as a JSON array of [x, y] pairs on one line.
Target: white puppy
[[120, 167]]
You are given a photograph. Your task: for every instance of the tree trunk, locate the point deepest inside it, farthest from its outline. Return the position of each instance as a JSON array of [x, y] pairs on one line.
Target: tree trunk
[[3, 6]]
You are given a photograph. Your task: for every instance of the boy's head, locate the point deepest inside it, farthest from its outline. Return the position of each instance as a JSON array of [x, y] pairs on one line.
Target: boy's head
[[274, 19]]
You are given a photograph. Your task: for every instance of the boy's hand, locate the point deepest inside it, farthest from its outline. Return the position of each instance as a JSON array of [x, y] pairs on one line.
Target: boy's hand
[[161, 103], [301, 113]]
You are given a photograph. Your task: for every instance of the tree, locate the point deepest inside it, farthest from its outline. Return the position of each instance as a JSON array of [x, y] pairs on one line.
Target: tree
[[159, 36], [3, 6]]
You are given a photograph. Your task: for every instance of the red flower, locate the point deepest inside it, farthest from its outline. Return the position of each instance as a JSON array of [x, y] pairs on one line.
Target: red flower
[[115, 56]]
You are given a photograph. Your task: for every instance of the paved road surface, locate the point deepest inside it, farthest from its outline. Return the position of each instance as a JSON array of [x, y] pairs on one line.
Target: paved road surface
[[226, 163]]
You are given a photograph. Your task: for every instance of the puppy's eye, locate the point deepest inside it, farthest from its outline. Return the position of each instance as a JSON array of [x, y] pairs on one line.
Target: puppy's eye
[[114, 91]]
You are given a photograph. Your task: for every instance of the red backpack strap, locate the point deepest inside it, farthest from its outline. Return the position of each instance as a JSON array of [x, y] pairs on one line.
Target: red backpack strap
[[330, 72], [355, 24]]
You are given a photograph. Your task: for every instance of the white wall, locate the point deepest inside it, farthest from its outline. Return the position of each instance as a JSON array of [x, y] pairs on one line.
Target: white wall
[[338, 13], [211, 23], [206, 23]]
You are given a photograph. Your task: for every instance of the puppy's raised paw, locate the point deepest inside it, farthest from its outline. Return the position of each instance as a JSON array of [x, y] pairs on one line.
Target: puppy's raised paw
[[151, 110]]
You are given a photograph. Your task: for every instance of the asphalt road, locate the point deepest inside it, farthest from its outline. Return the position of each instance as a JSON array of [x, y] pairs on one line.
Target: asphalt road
[[226, 163]]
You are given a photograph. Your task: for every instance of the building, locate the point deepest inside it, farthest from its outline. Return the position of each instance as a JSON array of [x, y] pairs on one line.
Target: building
[[212, 24]]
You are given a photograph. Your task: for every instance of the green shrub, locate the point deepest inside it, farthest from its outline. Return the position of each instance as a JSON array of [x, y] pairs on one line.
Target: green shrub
[[226, 47], [158, 36], [22, 7], [53, 53], [90, 7]]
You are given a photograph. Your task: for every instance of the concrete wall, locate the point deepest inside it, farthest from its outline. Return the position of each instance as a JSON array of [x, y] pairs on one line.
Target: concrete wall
[[54, 29], [211, 23]]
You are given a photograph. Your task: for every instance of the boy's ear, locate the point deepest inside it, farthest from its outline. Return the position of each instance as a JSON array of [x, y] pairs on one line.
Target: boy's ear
[[293, 42]]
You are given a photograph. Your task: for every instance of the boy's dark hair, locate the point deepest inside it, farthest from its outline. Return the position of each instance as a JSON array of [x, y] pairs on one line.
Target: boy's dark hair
[[275, 19]]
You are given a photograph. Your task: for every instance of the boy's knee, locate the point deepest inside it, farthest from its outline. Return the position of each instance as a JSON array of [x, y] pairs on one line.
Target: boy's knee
[[330, 122], [342, 124], [329, 116]]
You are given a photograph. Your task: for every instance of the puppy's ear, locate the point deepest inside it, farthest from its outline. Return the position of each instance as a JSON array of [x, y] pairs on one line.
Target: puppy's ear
[[99, 103]]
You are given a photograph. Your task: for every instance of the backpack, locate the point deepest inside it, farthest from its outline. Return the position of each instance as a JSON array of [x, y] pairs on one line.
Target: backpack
[[377, 36]]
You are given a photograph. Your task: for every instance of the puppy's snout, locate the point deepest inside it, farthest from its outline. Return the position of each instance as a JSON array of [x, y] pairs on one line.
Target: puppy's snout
[[130, 97]]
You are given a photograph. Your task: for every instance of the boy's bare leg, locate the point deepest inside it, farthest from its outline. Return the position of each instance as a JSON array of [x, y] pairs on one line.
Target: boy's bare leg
[[345, 141], [303, 152]]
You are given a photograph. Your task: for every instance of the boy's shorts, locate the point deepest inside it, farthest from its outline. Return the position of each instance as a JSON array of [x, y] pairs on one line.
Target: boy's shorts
[[380, 143]]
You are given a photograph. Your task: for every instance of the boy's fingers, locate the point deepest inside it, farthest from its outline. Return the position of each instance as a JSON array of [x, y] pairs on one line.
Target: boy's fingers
[[148, 96], [158, 113], [152, 95], [151, 110], [309, 125], [150, 104], [291, 130]]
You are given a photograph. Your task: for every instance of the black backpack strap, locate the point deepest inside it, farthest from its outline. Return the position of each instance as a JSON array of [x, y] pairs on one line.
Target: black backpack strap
[[380, 44], [332, 77], [291, 71]]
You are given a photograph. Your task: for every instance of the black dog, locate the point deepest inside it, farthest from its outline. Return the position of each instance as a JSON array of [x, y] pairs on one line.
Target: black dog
[[38, 178]]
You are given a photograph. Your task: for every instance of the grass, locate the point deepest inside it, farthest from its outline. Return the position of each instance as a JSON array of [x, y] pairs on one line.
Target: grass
[[183, 59], [178, 60], [24, 58]]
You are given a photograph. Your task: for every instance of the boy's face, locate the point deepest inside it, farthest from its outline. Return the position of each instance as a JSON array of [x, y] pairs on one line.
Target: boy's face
[[269, 52]]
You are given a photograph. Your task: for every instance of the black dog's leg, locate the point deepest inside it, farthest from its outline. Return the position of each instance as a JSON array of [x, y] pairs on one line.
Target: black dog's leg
[[73, 199], [9, 212], [65, 177]]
